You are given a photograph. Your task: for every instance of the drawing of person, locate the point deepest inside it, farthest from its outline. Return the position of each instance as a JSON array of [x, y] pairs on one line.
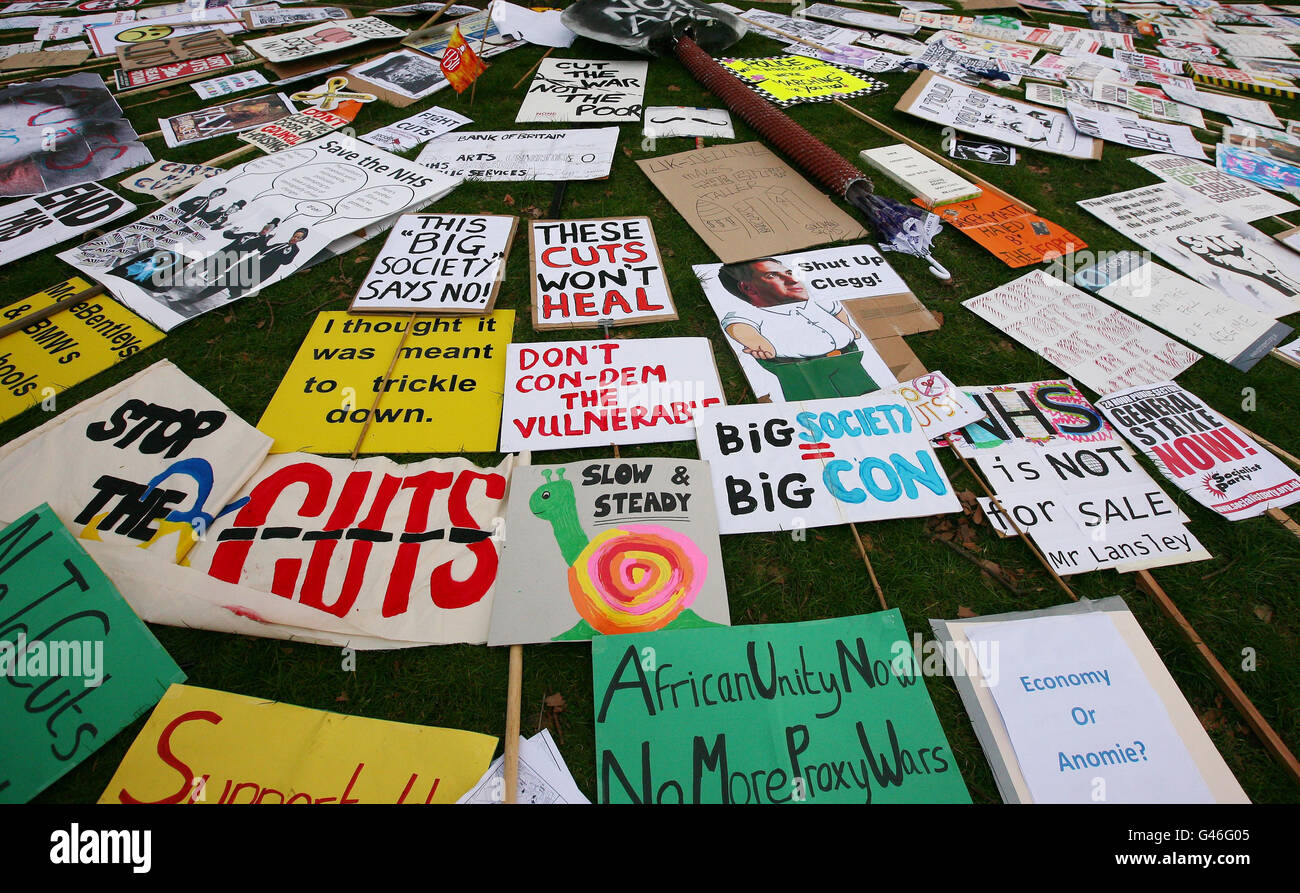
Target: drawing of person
[[195, 205], [808, 345], [216, 218], [276, 256], [240, 255], [1230, 254]]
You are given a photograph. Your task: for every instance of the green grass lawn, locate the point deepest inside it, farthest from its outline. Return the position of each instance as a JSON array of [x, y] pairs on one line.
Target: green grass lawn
[[1247, 596]]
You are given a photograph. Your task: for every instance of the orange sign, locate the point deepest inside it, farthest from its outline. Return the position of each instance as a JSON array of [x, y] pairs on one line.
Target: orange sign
[[1015, 236], [459, 63]]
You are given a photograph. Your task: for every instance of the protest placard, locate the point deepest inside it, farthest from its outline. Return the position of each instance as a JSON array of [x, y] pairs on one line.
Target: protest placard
[[164, 179], [1009, 232], [827, 711], [1201, 451], [652, 560], [52, 354], [1203, 183], [871, 461], [1142, 103], [680, 120], [793, 29], [271, 17], [415, 130], [930, 181], [214, 741], [584, 90], [1175, 139], [946, 102], [294, 130], [154, 53], [850, 56], [226, 84], [108, 37], [789, 80], [1088, 340], [449, 373], [745, 202], [326, 37], [46, 220], [518, 155], [1261, 169], [586, 273], [158, 74], [235, 116], [564, 394], [78, 643], [1067, 697], [400, 78]]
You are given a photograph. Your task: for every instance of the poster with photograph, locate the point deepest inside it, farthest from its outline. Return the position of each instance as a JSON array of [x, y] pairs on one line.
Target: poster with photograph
[[607, 548], [235, 116], [519, 155], [926, 179], [566, 394], [400, 78], [439, 263], [62, 132], [944, 101], [252, 226], [584, 90], [587, 273], [1202, 183], [42, 221], [326, 37]]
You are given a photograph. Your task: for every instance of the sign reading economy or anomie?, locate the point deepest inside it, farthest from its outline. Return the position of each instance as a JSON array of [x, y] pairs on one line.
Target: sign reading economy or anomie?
[[593, 393], [205, 746], [870, 461], [442, 395], [588, 272], [77, 664], [830, 711], [52, 354]]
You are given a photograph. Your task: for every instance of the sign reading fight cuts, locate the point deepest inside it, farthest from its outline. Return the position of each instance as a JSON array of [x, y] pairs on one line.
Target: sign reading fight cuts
[[871, 461]]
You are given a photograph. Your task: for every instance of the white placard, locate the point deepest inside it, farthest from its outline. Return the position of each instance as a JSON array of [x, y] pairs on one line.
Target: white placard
[[326, 37], [1177, 139], [1202, 182], [584, 90], [415, 130], [931, 182], [514, 155], [42, 221], [680, 120], [229, 83]]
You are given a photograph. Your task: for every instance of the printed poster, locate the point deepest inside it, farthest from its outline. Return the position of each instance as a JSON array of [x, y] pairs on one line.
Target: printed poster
[[164, 179], [218, 120], [157, 74], [449, 374], [679, 120], [755, 731], [583, 90], [1203, 183], [318, 757], [1154, 136], [1260, 169], [43, 221], [587, 273], [214, 88], [870, 461], [609, 547], [326, 37], [564, 394], [401, 77], [78, 643], [1201, 451]]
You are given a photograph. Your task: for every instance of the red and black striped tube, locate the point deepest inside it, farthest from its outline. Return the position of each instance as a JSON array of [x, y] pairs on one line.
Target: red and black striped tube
[[808, 152]]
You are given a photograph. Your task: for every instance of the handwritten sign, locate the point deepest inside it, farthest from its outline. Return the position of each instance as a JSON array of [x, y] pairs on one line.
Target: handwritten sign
[[584, 90], [1009, 232], [789, 80], [521, 155]]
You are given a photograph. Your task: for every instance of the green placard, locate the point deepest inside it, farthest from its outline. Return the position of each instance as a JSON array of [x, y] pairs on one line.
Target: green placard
[[76, 663], [830, 711]]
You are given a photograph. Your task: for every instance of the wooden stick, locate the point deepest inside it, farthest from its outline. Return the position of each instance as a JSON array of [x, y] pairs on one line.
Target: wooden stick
[[871, 572], [1011, 519], [514, 696], [151, 135], [946, 162], [1272, 741], [429, 24], [1283, 357], [153, 88], [392, 364], [482, 39], [1281, 453], [37, 315], [532, 70], [230, 156]]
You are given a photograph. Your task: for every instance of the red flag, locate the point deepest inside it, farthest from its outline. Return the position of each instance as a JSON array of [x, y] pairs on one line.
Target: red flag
[[459, 63]]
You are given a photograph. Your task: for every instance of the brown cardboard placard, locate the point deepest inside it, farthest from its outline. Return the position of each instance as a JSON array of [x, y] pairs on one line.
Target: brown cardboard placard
[[174, 49], [44, 59]]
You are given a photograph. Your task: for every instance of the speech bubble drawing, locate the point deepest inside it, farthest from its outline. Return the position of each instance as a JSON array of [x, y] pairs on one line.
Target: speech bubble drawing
[[310, 209], [374, 202], [278, 161]]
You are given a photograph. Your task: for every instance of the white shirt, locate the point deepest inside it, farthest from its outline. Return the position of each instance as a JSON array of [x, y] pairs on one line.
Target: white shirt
[[802, 329]]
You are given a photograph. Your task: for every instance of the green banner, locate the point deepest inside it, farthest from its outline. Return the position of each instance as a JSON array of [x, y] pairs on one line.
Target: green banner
[[830, 711], [76, 664]]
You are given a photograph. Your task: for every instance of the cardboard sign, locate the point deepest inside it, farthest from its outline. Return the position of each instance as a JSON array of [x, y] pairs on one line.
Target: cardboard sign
[[65, 348], [1175, 139], [219, 120], [399, 78], [651, 561], [933, 183], [443, 263], [1009, 232], [801, 325], [1203, 317], [1064, 697], [143, 77], [1201, 451], [294, 130], [45, 220], [871, 461], [327, 37], [252, 226], [755, 731], [78, 643], [586, 91], [563, 394], [45, 59], [449, 373], [164, 179], [1216, 250], [154, 53], [214, 88], [789, 80], [1096, 344], [402, 552], [745, 202], [415, 130], [1203, 183], [943, 101], [212, 739], [1236, 79], [586, 273], [94, 140], [1065, 478], [148, 463], [520, 155]]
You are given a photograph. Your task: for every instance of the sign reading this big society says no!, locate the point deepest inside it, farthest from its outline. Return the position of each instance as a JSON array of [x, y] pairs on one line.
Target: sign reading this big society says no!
[[821, 462]]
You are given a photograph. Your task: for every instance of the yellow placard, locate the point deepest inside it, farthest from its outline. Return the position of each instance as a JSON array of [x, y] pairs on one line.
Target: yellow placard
[[443, 396], [64, 349], [205, 746], [789, 79]]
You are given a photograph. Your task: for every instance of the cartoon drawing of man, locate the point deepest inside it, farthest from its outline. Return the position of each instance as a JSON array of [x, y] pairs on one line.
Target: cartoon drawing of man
[[808, 345]]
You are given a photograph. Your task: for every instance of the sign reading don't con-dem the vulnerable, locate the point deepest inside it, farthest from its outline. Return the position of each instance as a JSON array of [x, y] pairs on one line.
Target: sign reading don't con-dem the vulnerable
[[441, 394]]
